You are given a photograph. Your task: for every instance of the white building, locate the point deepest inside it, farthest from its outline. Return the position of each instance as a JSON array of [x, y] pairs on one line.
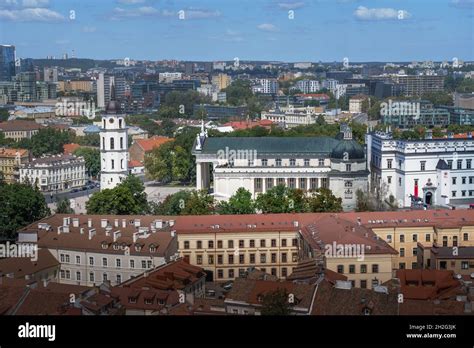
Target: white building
[[308, 86], [437, 171], [266, 86], [355, 104], [113, 146], [292, 117], [57, 172], [169, 76], [93, 249], [303, 65], [260, 163]]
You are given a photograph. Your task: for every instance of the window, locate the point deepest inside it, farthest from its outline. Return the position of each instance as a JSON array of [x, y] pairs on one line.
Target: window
[[199, 244], [78, 275], [399, 181], [340, 269], [104, 277], [401, 265], [220, 273], [459, 164], [283, 242], [231, 273], [263, 258], [402, 252], [465, 237], [306, 162], [112, 143], [269, 183], [402, 238], [186, 244], [284, 272], [389, 164], [230, 244], [463, 180], [262, 243], [348, 167], [453, 193], [91, 261], [347, 183], [292, 183], [274, 271], [281, 181], [415, 238], [363, 284], [294, 257], [389, 238], [252, 258], [118, 278], [375, 268], [241, 243], [455, 241], [149, 264], [220, 259], [292, 162], [143, 264], [231, 259], [321, 162], [284, 257], [352, 269], [389, 179], [415, 251], [199, 259], [210, 244], [423, 166], [428, 237], [294, 242], [278, 162], [264, 162], [454, 180], [241, 258], [112, 164], [132, 263], [219, 244], [274, 257], [414, 265], [118, 263], [273, 243], [375, 282], [442, 265], [450, 164], [67, 258], [252, 243], [445, 241], [68, 274], [468, 163], [121, 142], [91, 276], [104, 262], [78, 259], [464, 264], [258, 184], [210, 259]]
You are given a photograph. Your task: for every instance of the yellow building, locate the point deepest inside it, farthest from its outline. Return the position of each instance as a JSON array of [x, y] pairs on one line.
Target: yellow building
[[227, 246], [18, 129], [81, 85], [221, 81], [10, 162]]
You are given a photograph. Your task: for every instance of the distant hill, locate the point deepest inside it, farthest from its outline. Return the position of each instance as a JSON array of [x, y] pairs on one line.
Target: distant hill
[[82, 63]]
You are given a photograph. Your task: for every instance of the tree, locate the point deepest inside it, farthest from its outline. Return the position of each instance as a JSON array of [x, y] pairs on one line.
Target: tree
[[240, 203], [276, 303], [92, 159], [128, 198], [323, 200], [64, 207], [199, 203], [4, 115], [159, 163], [438, 98], [20, 206], [172, 204], [48, 141], [281, 199]]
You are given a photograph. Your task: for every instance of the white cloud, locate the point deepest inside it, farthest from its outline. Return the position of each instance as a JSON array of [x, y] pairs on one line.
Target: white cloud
[[291, 5], [195, 13], [89, 29], [190, 13], [130, 2], [469, 4], [267, 27], [35, 3], [119, 13], [380, 14], [31, 15]]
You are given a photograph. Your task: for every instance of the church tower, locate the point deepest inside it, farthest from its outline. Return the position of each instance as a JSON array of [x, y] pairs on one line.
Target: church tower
[[113, 146]]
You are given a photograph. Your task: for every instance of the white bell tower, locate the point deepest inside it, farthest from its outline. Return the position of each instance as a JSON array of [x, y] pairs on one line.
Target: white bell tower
[[113, 146]]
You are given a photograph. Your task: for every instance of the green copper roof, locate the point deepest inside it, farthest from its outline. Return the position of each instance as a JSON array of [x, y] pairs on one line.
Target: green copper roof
[[281, 145]]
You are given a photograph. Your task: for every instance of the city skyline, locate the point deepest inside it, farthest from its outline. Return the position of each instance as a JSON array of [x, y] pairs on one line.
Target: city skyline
[[362, 31]]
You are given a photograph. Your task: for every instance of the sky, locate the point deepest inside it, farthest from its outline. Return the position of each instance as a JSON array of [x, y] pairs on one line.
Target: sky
[[210, 30]]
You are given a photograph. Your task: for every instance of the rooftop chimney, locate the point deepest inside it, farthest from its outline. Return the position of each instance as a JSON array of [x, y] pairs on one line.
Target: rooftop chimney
[[116, 222], [124, 223], [66, 221], [117, 235], [91, 233], [75, 222], [135, 237], [89, 222], [103, 223], [171, 222]]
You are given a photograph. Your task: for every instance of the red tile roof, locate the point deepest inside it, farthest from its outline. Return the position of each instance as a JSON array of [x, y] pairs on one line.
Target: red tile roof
[[150, 144], [133, 164], [70, 148]]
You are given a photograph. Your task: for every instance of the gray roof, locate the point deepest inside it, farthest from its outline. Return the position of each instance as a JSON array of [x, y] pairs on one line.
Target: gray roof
[[322, 145], [442, 165]]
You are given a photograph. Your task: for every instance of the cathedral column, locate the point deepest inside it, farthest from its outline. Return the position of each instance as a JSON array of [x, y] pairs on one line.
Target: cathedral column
[[199, 176]]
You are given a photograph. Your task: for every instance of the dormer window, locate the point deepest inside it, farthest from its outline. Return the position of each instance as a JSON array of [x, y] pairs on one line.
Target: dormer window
[[366, 311], [138, 247], [116, 246], [152, 248], [148, 301], [260, 298], [161, 302], [104, 245], [132, 300]]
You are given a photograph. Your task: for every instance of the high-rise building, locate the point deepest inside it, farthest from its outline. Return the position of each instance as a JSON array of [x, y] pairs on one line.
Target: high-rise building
[[25, 86], [221, 81], [50, 74], [103, 88], [7, 62], [189, 68], [308, 86], [114, 146]]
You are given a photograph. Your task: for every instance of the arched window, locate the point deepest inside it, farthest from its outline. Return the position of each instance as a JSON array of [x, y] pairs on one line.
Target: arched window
[[103, 143], [104, 123], [112, 164], [121, 142], [120, 123], [112, 144], [121, 164]]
